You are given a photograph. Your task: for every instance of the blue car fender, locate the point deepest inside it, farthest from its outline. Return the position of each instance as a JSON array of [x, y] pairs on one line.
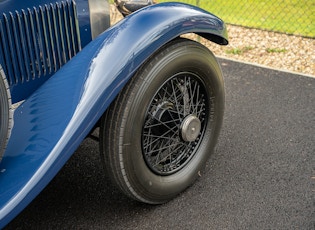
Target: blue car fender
[[54, 120]]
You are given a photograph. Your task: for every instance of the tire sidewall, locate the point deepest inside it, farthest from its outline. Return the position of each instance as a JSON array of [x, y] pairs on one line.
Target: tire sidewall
[[195, 60], [5, 113]]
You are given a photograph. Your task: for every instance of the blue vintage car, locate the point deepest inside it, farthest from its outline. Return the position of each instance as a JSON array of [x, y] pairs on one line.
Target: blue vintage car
[[156, 98]]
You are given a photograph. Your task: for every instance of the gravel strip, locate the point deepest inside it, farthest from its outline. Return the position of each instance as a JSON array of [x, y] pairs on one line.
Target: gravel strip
[[276, 50], [281, 51]]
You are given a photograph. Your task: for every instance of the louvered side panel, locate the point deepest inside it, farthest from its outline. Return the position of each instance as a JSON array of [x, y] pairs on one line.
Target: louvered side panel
[[5, 51], [39, 41]]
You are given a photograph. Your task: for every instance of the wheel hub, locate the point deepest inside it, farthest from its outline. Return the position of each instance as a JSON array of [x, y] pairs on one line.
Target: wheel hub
[[190, 128]]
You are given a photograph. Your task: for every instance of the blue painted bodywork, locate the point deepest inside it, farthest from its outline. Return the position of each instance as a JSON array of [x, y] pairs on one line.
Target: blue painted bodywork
[[53, 121]]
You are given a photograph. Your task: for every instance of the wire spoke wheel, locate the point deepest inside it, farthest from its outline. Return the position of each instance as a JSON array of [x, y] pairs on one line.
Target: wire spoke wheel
[[159, 132], [175, 123]]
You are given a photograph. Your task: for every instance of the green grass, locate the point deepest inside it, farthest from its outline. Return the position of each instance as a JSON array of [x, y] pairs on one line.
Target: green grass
[[239, 51], [276, 50], [286, 16]]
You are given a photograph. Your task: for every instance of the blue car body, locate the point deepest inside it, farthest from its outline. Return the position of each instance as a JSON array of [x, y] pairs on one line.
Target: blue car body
[[65, 95]]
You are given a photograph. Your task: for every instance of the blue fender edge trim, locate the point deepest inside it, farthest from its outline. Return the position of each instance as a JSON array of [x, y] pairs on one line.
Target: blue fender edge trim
[[54, 120]]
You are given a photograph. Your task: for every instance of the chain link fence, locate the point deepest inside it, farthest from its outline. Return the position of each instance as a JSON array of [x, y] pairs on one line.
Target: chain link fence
[[286, 16]]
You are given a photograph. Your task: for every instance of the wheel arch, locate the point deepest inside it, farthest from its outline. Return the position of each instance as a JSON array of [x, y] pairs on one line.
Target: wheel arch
[[53, 121]]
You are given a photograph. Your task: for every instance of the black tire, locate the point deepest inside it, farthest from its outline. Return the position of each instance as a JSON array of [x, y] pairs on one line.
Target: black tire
[[159, 132], [6, 113]]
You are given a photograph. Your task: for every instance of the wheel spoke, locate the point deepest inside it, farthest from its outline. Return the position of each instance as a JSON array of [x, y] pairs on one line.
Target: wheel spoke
[[159, 138], [175, 98], [179, 148], [193, 96], [161, 123]]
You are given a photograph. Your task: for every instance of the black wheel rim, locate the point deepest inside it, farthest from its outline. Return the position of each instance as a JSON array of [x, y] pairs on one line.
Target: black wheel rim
[[175, 123]]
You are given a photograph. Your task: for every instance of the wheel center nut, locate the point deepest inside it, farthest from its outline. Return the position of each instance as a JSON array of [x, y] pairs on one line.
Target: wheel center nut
[[190, 128]]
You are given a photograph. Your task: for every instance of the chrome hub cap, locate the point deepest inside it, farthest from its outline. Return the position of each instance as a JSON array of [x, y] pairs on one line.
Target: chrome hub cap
[[190, 128]]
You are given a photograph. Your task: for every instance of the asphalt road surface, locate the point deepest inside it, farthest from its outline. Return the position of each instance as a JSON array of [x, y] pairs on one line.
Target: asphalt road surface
[[261, 176]]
